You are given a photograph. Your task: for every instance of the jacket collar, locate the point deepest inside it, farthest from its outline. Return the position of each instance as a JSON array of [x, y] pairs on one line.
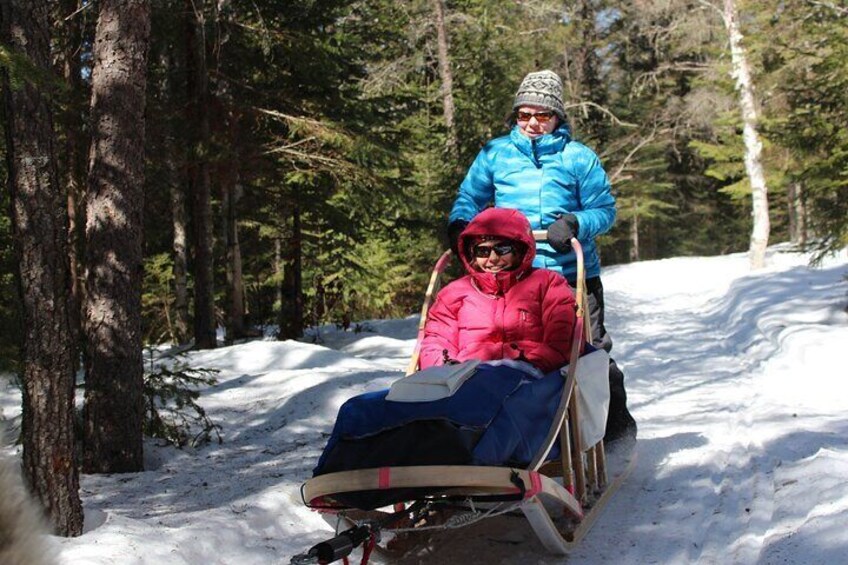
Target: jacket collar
[[549, 143], [497, 283]]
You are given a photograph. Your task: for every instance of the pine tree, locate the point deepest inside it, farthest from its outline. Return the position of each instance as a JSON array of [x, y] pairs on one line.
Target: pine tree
[[114, 373], [39, 222], [805, 49]]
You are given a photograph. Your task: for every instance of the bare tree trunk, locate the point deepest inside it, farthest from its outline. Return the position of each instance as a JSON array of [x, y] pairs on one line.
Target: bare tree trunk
[[179, 326], [199, 180], [797, 214], [446, 76], [297, 272], [791, 195], [585, 74], [39, 223], [180, 251], [113, 412], [291, 307], [801, 215], [570, 87], [753, 146], [76, 147], [634, 237], [279, 273], [230, 195]]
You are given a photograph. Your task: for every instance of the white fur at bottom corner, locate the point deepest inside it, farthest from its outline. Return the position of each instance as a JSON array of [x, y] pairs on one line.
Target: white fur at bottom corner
[[23, 539]]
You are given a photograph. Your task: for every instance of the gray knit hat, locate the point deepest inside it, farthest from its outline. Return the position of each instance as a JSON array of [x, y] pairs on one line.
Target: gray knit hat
[[543, 89]]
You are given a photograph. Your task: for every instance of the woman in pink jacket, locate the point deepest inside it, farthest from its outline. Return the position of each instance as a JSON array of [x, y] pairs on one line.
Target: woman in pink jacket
[[503, 308]]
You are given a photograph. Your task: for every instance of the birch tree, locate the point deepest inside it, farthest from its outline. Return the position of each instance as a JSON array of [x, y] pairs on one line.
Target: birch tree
[[753, 146]]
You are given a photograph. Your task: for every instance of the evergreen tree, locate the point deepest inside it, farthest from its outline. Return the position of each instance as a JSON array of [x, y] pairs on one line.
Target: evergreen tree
[[39, 222], [804, 46], [113, 411]]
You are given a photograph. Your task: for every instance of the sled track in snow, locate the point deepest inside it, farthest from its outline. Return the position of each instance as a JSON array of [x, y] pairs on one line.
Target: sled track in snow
[[711, 448]]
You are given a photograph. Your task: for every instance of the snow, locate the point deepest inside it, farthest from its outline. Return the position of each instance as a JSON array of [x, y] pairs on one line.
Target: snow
[[735, 377]]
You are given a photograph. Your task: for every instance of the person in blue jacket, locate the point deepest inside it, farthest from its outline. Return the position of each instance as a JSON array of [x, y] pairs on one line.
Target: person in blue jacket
[[560, 185]]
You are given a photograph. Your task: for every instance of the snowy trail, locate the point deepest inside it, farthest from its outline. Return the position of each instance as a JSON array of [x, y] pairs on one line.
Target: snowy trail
[[692, 396], [700, 365]]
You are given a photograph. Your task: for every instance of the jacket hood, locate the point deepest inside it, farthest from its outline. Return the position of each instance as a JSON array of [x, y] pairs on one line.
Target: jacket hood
[[504, 223]]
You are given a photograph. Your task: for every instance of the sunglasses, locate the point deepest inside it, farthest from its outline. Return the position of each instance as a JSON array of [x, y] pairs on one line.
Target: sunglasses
[[541, 117], [483, 251]]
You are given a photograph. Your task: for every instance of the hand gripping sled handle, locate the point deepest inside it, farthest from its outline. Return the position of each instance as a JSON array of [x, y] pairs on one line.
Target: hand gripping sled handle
[[542, 235]]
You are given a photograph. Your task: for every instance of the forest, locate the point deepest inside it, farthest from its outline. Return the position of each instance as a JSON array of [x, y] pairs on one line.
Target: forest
[[178, 166]]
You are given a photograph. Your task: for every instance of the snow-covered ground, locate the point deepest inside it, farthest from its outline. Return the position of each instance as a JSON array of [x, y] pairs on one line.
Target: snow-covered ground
[[735, 378]]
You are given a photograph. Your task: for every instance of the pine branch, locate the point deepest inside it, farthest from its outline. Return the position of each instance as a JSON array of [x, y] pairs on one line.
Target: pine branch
[[842, 11]]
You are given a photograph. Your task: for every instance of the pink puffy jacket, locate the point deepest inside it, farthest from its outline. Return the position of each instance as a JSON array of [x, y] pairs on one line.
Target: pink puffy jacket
[[524, 314]]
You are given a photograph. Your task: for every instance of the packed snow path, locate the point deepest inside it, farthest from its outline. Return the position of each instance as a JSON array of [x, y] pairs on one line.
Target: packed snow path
[[724, 426]]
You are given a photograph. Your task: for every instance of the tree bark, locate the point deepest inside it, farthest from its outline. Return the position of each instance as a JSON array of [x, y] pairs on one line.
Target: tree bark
[[279, 273], [180, 254], [230, 195], [634, 237], [174, 153], [113, 412], [297, 272], [586, 75], [199, 180], [797, 214], [446, 76], [76, 147], [791, 195], [39, 223], [801, 215], [291, 307], [753, 146]]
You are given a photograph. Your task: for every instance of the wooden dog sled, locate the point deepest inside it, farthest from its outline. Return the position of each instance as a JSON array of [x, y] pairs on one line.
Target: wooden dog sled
[[560, 499]]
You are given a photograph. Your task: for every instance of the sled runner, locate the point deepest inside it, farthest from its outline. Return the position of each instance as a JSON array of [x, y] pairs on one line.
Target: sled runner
[[560, 495]]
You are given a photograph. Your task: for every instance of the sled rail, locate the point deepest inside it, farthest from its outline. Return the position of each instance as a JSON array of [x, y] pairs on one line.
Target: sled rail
[[457, 480], [559, 532]]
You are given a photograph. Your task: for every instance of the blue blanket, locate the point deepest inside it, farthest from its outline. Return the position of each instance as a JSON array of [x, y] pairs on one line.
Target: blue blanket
[[500, 415]]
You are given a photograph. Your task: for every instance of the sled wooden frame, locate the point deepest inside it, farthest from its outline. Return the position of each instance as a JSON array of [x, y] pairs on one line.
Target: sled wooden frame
[[580, 495]]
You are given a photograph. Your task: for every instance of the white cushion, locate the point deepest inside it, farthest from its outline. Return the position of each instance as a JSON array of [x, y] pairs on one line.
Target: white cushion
[[432, 383]]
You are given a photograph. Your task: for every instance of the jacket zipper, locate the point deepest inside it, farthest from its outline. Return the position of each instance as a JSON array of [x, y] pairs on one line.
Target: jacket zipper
[[535, 156], [502, 306]]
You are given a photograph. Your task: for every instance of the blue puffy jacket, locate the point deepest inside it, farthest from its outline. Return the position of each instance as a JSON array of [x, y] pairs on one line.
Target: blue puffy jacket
[[543, 178]]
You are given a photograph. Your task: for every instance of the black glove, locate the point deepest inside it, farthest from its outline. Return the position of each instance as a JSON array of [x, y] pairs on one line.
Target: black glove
[[446, 360], [561, 231], [454, 229]]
